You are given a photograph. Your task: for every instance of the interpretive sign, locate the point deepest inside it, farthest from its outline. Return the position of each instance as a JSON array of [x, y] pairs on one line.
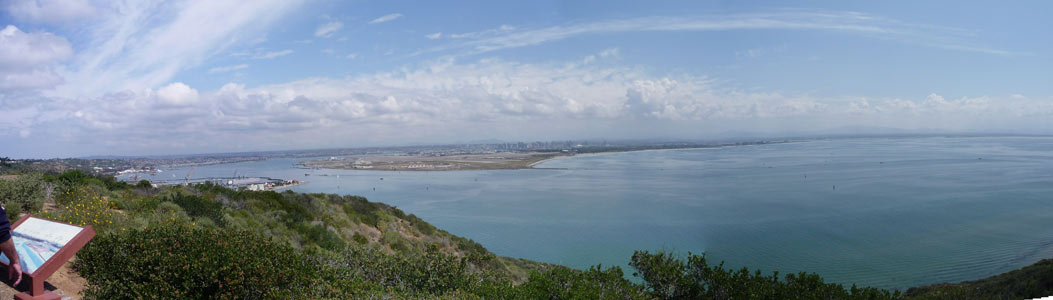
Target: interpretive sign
[[43, 246]]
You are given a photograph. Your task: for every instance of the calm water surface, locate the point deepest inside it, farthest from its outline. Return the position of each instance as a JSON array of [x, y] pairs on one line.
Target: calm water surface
[[889, 213]]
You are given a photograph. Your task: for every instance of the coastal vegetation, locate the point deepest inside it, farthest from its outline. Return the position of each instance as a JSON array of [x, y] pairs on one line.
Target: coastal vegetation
[[207, 241], [1034, 281]]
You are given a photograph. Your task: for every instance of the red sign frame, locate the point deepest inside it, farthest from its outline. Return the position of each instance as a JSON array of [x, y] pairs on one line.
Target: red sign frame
[[64, 254]]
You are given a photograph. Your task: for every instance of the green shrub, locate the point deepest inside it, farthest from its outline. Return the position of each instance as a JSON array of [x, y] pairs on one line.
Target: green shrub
[[669, 277], [421, 226], [68, 181], [131, 202], [180, 262], [398, 213], [111, 183], [25, 193], [82, 206], [171, 210], [565, 283], [292, 211], [359, 238], [363, 210], [196, 206], [319, 235], [432, 273], [470, 246], [209, 187], [399, 246], [74, 177], [13, 212], [1034, 281], [144, 184]]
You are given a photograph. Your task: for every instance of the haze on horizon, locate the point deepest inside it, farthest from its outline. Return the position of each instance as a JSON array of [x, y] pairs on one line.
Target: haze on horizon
[[83, 77]]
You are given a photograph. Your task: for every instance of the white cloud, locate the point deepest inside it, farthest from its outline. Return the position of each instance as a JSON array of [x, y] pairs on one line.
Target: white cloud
[[843, 22], [606, 53], [261, 53], [118, 92], [49, 11], [20, 49], [386, 18], [485, 33], [434, 36], [272, 54], [140, 44], [29, 60], [328, 29], [442, 100], [39, 78], [225, 69], [762, 51], [177, 94]]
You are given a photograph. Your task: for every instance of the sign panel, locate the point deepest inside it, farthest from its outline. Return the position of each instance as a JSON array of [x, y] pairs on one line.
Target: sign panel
[[37, 240]]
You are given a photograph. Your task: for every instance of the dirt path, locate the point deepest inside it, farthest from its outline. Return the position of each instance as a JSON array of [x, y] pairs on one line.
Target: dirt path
[[65, 282]]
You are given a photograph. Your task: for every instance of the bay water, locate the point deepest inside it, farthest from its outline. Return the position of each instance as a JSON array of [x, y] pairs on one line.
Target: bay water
[[882, 212]]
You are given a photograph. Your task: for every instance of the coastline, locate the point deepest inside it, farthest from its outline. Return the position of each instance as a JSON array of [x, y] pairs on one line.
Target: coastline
[[524, 161], [531, 166]]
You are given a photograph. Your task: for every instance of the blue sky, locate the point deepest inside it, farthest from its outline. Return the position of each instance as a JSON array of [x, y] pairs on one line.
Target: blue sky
[[87, 77]]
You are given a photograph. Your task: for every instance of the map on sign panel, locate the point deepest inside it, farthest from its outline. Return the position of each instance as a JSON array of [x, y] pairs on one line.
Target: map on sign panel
[[36, 240]]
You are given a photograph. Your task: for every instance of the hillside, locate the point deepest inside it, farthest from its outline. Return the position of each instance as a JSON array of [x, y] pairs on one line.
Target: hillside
[[206, 241], [1032, 281]]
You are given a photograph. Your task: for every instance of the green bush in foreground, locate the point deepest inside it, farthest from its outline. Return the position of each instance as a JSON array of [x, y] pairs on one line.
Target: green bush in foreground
[[430, 273], [566, 283], [190, 263], [669, 277]]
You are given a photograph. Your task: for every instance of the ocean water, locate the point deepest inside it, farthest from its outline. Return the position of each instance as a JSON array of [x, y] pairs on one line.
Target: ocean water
[[888, 212]]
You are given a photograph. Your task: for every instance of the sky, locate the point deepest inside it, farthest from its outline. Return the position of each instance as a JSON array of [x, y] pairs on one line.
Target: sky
[[85, 77]]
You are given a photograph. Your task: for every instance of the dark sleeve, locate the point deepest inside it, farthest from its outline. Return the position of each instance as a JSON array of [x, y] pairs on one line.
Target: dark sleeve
[[5, 226]]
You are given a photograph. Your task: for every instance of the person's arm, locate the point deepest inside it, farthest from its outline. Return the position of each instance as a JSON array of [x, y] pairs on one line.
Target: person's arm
[[14, 269]]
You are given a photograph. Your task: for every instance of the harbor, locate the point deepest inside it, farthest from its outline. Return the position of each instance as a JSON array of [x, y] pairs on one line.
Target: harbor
[[236, 183]]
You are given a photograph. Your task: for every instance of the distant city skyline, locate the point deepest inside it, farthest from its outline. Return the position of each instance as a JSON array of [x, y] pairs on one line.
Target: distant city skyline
[[83, 77]]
